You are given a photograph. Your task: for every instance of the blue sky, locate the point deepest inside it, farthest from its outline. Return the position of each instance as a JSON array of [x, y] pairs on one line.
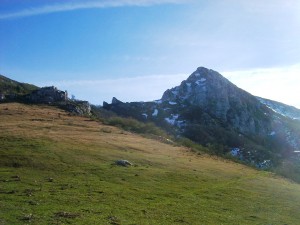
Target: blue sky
[[134, 50]]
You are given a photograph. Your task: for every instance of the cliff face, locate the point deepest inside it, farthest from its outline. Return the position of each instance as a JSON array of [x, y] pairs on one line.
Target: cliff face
[[222, 100]]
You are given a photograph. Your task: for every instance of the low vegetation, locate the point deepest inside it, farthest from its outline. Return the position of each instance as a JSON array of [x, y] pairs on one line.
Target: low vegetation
[[59, 169], [14, 88], [136, 126]]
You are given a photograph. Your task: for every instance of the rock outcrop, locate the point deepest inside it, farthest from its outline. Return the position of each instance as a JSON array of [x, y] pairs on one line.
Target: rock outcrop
[[81, 108], [47, 95]]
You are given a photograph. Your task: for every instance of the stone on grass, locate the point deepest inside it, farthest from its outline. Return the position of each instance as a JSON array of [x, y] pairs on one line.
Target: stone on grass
[[123, 162]]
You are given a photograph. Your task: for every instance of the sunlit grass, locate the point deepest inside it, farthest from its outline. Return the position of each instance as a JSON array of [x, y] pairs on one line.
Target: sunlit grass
[[58, 169]]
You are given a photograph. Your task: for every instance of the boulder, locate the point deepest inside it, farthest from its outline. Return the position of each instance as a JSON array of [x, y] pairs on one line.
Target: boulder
[[123, 162]]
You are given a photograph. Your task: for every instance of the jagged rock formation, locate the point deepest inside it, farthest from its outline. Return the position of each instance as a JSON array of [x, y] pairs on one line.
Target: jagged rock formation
[[81, 108], [210, 110], [47, 95]]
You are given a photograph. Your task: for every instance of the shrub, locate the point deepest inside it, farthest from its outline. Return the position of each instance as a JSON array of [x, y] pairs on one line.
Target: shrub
[[133, 125]]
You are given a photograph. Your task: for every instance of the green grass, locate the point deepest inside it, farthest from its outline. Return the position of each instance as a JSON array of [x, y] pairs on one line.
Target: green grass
[[56, 169], [8, 86]]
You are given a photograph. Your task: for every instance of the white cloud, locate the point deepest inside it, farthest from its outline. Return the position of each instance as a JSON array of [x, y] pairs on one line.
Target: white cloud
[[70, 6], [279, 84]]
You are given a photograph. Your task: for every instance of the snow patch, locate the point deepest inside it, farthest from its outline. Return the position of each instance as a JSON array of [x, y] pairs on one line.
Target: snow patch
[[287, 111], [188, 84], [201, 81], [172, 119], [235, 152], [175, 92], [197, 74], [272, 133], [172, 103], [155, 112], [145, 115], [158, 101]]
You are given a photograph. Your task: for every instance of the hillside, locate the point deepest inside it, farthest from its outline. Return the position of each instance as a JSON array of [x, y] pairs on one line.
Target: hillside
[[281, 108], [10, 87], [59, 169]]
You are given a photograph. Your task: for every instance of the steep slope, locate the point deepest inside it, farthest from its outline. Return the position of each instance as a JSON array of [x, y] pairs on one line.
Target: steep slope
[[282, 109], [59, 169], [210, 110], [222, 100], [13, 91]]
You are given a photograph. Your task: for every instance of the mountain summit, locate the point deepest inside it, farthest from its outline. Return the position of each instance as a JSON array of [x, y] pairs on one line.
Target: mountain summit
[[209, 109], [220, 99]]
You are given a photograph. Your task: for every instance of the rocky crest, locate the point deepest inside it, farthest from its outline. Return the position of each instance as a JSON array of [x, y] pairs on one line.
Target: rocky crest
[[13, 91], [222, 100], [47, 95]]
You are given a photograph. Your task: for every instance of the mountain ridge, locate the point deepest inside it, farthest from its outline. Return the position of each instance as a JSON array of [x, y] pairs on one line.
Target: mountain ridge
[[210, 110], [281, 108], [11, 88]]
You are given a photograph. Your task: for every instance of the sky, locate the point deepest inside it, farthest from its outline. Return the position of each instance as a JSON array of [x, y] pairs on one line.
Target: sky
[[136, 49]]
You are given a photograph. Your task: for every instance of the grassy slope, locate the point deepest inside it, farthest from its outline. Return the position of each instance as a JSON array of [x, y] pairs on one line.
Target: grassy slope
[[168, 185], [8, 86]]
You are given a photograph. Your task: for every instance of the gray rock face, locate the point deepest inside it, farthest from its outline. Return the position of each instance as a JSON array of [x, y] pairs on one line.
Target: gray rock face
[[221, 99], [81, 108], [47, 95]]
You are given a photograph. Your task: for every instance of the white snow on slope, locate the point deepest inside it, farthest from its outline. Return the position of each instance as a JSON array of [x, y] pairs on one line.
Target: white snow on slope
[[201, 81], [155, 112], [172, 119]]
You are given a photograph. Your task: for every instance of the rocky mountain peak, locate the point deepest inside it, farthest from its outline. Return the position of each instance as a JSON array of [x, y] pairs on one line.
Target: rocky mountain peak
[[220, 98], [204, 73], [199, 87]]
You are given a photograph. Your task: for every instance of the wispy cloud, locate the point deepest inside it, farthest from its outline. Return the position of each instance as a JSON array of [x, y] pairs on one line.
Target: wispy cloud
[[280, 84], [70, 6]]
